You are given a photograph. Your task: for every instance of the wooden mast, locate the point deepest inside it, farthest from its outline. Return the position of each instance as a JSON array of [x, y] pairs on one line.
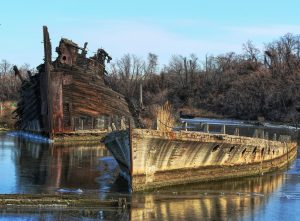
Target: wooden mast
[[48, 119]]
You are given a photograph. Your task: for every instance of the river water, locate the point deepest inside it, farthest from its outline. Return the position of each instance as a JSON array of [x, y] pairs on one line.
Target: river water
[[33, 167]]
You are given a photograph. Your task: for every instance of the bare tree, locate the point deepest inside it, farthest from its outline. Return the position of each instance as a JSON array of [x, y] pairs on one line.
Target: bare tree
[[5, 67], [9, 84], [252, 53], [126, 74], [151, 66]]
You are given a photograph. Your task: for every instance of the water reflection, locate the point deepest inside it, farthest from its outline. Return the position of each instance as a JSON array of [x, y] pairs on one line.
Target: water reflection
[[35, 167], [234, 200], [28, 167], [63, 214]]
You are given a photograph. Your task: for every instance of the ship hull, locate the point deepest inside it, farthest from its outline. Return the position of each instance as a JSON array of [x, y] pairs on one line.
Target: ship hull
[[154, 158]]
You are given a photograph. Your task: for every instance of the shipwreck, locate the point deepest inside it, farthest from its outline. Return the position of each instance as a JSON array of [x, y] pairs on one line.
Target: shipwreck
[[69, 95], [151, 158]]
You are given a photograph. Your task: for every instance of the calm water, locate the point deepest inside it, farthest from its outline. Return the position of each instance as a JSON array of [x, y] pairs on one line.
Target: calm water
[[28, 167]]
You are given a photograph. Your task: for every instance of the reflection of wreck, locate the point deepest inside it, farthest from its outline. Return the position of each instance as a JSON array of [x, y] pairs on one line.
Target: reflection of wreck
[[234, 200], [162, 157], [49, 167], [69, 94]]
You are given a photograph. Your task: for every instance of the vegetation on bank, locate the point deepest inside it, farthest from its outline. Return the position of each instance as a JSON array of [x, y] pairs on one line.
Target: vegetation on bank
[[9, 93], [254, 84], [7, 120], [251, 85]]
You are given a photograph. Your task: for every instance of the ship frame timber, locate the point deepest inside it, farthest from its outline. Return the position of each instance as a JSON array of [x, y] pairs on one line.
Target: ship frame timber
[[69, 96], [155, 158]]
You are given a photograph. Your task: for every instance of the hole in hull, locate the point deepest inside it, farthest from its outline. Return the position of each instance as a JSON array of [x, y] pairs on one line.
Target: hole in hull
[[215, 148], [244, 151], [231, 149]]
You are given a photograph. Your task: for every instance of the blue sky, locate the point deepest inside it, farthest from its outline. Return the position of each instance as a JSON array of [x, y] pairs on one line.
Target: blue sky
[[162, 27]]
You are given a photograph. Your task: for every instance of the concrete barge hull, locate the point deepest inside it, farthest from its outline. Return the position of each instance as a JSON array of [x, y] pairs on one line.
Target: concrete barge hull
[[155, 158]]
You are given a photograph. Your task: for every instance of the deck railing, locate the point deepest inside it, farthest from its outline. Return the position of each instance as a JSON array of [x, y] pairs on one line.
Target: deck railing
[[276, 134]]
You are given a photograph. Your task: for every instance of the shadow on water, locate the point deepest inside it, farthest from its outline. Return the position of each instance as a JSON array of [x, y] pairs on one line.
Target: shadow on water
[[30, 167]]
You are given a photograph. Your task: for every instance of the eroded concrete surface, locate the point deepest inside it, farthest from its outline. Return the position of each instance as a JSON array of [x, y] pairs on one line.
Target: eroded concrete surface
[[167, 158]]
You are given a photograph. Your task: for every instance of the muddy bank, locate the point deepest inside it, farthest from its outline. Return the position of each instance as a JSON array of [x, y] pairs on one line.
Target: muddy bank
[[63, 200]]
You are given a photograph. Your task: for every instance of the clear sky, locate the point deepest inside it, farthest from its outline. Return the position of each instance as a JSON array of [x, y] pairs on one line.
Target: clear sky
[[163, 27]]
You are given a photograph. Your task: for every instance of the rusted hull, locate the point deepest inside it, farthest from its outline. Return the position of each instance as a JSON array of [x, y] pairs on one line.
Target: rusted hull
[[156, 158]]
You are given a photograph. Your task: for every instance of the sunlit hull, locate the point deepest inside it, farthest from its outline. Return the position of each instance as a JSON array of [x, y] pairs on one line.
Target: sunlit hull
[[154, 158]]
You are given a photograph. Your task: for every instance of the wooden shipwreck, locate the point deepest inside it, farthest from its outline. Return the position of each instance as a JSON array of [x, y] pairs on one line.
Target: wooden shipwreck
[[69, 95]]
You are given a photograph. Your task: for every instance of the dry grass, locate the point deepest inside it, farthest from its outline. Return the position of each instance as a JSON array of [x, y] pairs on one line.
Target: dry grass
[[164, 117], [6, 117]]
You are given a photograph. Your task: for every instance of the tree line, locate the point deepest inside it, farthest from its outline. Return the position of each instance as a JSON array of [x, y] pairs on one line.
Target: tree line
[[255, 83], [9, 83]]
